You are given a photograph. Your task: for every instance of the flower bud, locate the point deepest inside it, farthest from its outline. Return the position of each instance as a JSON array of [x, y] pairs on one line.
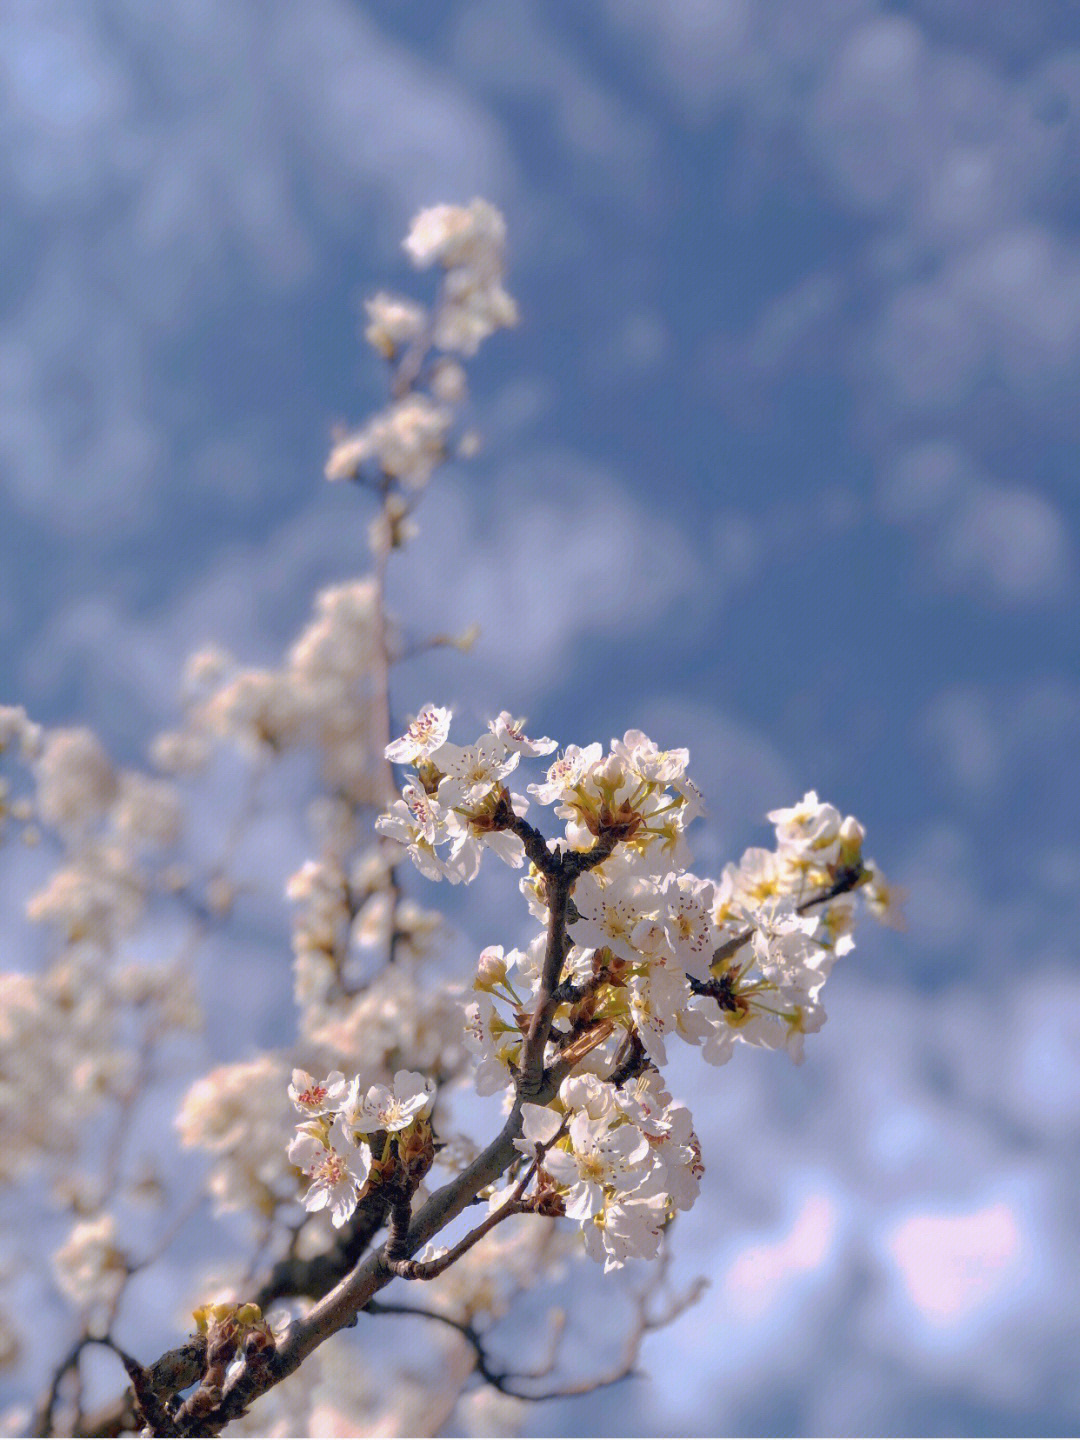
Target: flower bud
[[851, 837], [491, 969]]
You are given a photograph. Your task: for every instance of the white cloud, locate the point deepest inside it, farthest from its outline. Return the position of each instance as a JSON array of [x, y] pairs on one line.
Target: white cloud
[[759, 1274], [548, 551], [929, 136], [512, 50], [1011, 542], [991, 539], [710, 54], [986, 738], [943, 906], [968, 290], [162, 166], [967, 739], [951, 1265], [1008, 306]]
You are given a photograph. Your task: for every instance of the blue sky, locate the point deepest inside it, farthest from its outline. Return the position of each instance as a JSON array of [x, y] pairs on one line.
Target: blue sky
[[780, 465]]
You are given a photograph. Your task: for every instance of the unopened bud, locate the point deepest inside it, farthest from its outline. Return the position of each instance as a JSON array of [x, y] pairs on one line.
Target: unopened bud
[[491, 968], [851, 838]]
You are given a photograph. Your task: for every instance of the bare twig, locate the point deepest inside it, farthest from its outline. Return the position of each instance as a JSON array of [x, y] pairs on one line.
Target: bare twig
[[431, 1269], [510, 1381]]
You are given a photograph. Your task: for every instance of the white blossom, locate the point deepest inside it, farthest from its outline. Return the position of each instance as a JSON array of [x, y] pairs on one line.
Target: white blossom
[[425, 734], [90, 1267], [338, 1172], [471, 771], [511, 733], [392, 322], [603, 1157], [388, 1107], [808, 830], [317, 1097]]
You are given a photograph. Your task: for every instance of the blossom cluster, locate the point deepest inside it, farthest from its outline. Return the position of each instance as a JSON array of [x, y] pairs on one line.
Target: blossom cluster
[[651, 950], [323, 696], [402, 444], [333, 1144], [71, 1032], [622, 1160]]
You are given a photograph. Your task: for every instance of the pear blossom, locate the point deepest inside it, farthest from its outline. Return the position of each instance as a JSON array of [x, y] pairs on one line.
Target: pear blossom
[[603, 1156], [406, 441], [455, 234], [511, 733], [76, 779], [610, 913], [495, 1043], [758, 876], [389, 1107], [467, 849], [808, 830], [626, 1230], [419, 823], [539, 1126], [590, 1095], [644, 759], [338, 1172], [491, 968], [425, 734], [686, 915], [659, 1003], [472, 771], [317, 1097], [392, 322], [784, 942], [565, 773], [90, 1267]]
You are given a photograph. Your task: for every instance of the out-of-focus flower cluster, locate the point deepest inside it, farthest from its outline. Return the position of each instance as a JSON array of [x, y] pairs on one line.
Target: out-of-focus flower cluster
[[324, 696], [70, 1034], [401, 445], [90, 1266]]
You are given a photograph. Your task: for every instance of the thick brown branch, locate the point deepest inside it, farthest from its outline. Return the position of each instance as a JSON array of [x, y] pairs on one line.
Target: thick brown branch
[[315, 1277], [536, 1037], [548, 862], [340, 1307]]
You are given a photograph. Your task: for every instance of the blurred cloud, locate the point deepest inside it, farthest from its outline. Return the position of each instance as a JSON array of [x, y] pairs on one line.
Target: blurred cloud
[[1005, 311], [757, 1276], [510, 48], [977, 535], [952, 1265], [992, 739], [552, 552], [712, 54], [160, 165]]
